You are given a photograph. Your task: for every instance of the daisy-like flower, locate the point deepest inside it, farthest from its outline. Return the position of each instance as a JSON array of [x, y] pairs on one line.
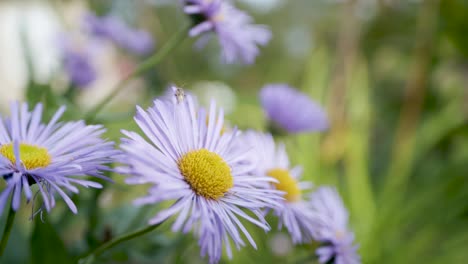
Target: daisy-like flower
[[291, 110], [238, 36], [191, 162], [294, 212], [330, 223], [55, 156]]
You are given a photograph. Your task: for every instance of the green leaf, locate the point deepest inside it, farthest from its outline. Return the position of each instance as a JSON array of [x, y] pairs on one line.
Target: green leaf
[[37, 92], [46, 244], [455, 24]]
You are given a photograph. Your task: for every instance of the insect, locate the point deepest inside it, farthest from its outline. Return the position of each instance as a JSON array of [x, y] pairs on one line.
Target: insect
[[179, 94]]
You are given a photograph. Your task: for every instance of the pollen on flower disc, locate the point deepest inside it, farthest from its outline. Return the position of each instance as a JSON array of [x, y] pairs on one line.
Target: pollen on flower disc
[[31, 156], [286, 183], [207, 173]]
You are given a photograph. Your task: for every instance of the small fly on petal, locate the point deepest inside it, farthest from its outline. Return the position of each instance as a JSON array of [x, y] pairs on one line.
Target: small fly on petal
[[179, 95]]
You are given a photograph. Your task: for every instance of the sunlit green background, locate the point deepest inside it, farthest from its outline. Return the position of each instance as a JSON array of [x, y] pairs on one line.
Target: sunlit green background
[[392, 75]]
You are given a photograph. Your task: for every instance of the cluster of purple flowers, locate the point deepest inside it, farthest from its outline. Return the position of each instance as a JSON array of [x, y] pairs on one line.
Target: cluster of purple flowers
[[219, 180], [238, 37], [214, 175]]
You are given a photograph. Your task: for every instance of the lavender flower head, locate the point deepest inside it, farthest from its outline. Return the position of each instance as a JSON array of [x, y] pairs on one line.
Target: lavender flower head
[[79, 68], [292, 110], [331, 228], [111, 28], [77, 62], [188, 160], [238, 37], [56, 156], [139, 42], [272, 160]]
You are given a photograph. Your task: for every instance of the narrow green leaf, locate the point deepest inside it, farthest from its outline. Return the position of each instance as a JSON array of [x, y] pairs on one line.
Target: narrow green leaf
[[46, 244]]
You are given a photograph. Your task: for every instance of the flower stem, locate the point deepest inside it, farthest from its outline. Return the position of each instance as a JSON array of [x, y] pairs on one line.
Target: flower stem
[[7, 230], [146, 65], [89, 257]]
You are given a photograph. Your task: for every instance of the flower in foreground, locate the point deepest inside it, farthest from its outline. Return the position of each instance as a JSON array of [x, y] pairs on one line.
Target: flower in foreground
[[294, 212], [55, 156], [291, 110], [238, 36], [331, 228], [188, 160]]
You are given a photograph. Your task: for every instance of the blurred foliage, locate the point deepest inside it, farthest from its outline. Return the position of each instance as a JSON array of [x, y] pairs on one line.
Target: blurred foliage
[[46, 245], [455, 25]]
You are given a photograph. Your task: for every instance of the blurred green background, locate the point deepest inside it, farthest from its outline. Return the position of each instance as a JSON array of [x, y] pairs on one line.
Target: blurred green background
[[392, 75]]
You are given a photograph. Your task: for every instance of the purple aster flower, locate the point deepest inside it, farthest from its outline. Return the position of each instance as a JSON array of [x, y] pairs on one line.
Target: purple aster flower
[[292, 110], [56, 156], [331, 228], [188, 160], [238, 37], [111, 28], [272, 160]]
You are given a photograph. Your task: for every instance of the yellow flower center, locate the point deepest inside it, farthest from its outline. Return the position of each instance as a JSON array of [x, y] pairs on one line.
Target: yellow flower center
[[31, 156], [219, 17], [340, 234], [207, 173], [286, 183]]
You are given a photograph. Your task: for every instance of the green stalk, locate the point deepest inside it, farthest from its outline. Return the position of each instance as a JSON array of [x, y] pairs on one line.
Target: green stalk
[[146, 65], [356, 156], [89, 257], [402, 159], [393, 193], [7, 230]]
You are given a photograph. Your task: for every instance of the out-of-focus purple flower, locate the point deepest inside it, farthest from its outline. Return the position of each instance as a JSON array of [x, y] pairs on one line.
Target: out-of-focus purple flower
[[77, 60], [272, 160], [137, 41], [292, 110], [111, 28], [330, 221], [96, 26], [238, 36], [56, 156], [189, 160], [79, 68]]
